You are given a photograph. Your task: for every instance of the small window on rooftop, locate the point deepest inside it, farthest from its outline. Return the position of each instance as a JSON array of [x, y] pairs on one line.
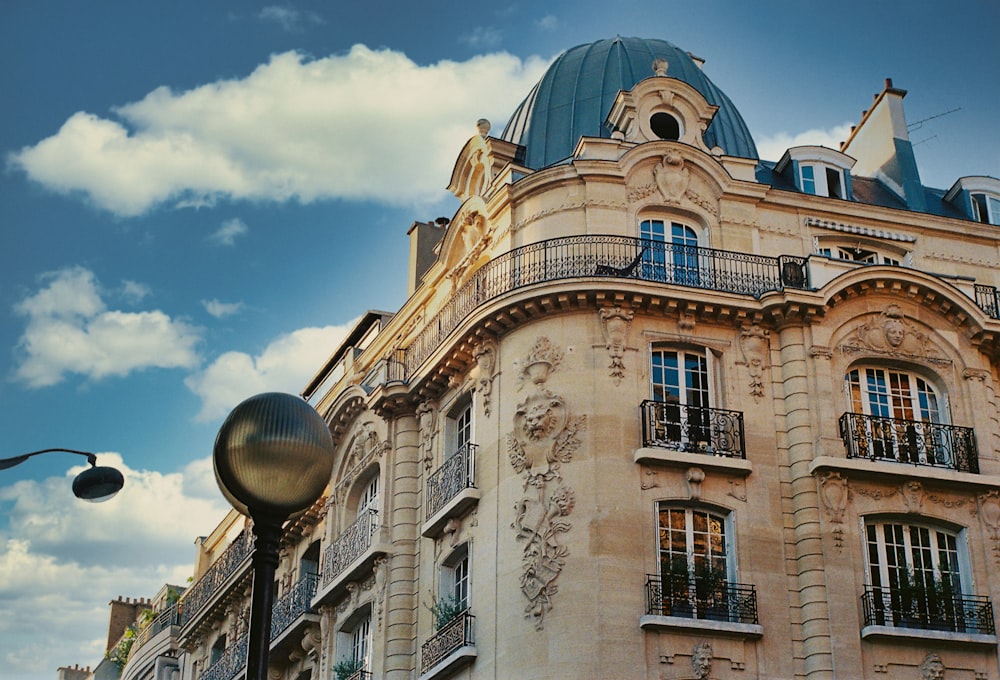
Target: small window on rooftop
[[808, 179], [665, 126], [985, 208], [834, 185]]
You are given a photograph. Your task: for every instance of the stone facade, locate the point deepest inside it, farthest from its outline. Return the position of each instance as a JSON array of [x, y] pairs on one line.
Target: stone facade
[[644, 416]]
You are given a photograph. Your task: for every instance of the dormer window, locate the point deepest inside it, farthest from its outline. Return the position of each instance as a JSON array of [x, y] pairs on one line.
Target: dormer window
[[978, 198], [985, 208], [818, 171]]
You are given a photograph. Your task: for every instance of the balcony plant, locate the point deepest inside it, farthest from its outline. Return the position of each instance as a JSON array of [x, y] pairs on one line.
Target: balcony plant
[[676, 588], [345, 668], [445, 610], [710, 589]]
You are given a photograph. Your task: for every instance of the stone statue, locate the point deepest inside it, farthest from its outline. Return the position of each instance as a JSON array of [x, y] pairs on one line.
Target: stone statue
[[701, 660], [932, 668]]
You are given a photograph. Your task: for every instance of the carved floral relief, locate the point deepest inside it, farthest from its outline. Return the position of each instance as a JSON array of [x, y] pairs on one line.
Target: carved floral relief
[[615, 324], [545, 436]]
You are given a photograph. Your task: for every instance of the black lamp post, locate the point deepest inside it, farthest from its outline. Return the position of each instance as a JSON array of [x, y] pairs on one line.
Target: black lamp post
[[273, 457], [95, 484]]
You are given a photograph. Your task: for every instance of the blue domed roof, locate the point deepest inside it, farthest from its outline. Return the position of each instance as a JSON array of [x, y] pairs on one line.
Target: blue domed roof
[[575, 95]]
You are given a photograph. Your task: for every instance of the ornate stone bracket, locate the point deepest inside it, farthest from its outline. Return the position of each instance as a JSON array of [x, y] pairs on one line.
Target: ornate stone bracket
[[989, 513], [835, 493], [615, 324], [755, 347], [485, 355], [427, 417], [544, 437]]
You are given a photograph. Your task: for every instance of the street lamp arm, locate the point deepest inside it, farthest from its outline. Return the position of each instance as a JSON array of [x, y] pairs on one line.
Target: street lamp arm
[[17, 460]]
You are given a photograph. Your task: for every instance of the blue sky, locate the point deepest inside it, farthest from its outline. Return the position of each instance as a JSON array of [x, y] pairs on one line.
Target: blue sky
[[198, 198]]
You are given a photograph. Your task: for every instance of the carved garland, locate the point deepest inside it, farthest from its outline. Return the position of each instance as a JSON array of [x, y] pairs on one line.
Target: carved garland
[[544, 437]]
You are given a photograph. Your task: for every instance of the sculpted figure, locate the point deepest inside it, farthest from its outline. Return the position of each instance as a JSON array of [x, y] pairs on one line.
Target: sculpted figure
[[701, 660], [932, 668]]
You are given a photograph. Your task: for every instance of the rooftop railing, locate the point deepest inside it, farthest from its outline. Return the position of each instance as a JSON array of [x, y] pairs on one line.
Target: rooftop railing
[[899, 608], [455, 474], [453, 635], [608, 256], [910, 441], [201, 593], [694, 429]]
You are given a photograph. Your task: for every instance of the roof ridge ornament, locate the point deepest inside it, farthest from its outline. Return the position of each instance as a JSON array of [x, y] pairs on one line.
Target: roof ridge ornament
[[660, 66]]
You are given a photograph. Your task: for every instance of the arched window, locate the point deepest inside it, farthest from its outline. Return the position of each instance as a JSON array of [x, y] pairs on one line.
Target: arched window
[[915, 575], [671, 252], [899, 415], [368, 501], [695, 563]]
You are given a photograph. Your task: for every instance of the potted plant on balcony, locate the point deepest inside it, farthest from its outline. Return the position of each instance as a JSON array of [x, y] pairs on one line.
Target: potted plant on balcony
[[345, 668], [676, 588], [445, 610], [710, 589], [944, 611]]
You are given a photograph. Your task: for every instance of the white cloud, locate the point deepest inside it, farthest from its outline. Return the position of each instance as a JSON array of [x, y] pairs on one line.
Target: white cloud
[[220, 309], [289, 18], [771, 148], [70, 330], [285, 365], [59, 551], [366, 125], [227, 232], [483, 37], [134, 291], [548, 22]]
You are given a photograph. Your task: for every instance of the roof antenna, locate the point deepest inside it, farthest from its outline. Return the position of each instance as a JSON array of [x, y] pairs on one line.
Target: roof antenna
[[920, 123]]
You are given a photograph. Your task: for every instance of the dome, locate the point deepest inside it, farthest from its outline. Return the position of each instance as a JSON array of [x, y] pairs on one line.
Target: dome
[[575, 95]]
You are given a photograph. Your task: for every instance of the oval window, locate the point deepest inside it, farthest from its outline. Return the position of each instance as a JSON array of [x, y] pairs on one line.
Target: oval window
[[665, 126]]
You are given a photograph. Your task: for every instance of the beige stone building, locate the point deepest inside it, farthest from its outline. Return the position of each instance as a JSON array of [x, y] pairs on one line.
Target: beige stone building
[[654, 408]]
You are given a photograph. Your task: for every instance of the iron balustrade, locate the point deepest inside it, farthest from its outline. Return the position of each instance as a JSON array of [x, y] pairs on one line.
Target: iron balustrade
[[165, 619], [686, 598], [608, 256], [199, 595], [349, 546], [910, 441], [988, 300], [292, 605], [453, 635], [695, 429], [455, 474], [232, 661], [899, 608], [361, 675]]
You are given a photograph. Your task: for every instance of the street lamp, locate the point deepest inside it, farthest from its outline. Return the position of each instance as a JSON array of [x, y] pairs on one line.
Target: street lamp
[[96, 484], [273, 457]]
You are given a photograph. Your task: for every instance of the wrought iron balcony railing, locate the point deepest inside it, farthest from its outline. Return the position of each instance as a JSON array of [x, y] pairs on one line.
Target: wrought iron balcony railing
[[293, 604], [910, 441], [165, 619], [232, 661], [988, 300], [453, 635], [687, 598], [198, 595], [349, 546], [695, 429], [608, 256], [361, 675], [900, 608], [455, 474]]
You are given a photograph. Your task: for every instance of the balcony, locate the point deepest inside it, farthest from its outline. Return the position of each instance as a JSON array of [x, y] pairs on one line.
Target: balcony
[[906, 612], [910, 441], [606, 256], [988, 300], [693, 429], [353, 552], [686, 603], [293, 608], [453, 645], [231, 663], [219, 578], [451, 489]]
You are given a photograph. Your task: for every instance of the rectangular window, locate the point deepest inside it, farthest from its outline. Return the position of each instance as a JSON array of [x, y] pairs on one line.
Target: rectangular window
[[359, 642], [985, 208], [807, 178], [834, 183]]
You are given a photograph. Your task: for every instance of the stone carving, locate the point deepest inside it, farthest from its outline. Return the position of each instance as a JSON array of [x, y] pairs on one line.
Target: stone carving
[[544, 437], [976, 374], [701, 660], [737, 490], [913, 496], [380, 578], [485, 355], [754, 344], [427, 415], [475, 237], [989, 512], [671, 177], [695, 476], [483, 126], [932, 668], [660, 66], [615, 325], [652, 482], [891, 334], [835, 493]]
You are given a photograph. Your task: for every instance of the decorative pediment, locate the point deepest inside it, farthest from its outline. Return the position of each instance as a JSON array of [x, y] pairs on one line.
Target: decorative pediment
[[468, 238], [480, 161], [892, 334]]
